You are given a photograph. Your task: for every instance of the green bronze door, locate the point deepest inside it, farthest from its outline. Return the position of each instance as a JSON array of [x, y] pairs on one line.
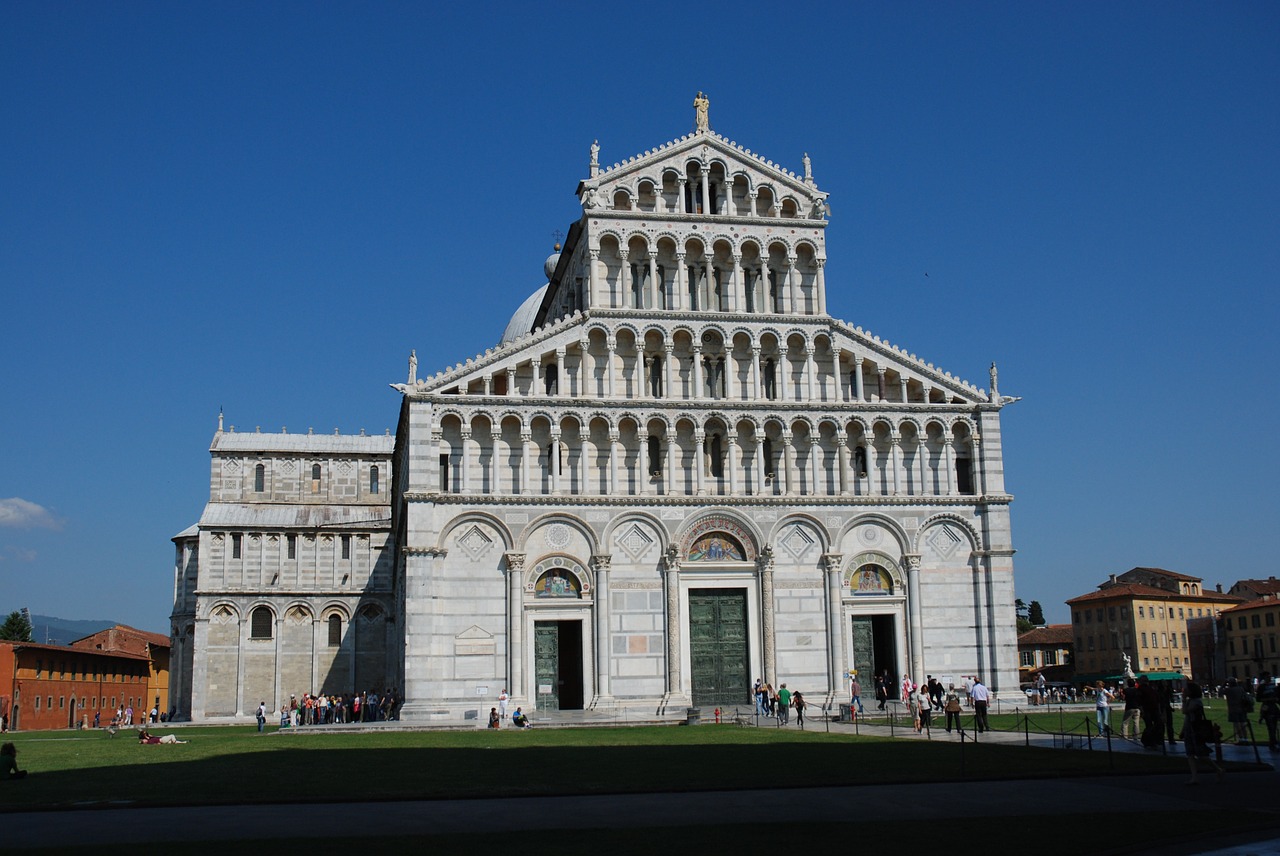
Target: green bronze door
[[718, 646], [546, 664]]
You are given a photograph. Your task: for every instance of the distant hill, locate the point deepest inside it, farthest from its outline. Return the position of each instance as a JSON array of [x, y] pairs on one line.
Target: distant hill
[[63, 631]]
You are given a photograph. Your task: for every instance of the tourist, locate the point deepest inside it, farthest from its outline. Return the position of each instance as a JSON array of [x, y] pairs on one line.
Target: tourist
[[9, 763], [262, 716], [1102, 702], [1197, 732], [882, 691], [797, 701], [1239, 704], [503, 698], [493, 717], [1131, 726], [980, 697], [784, 704], [519, 720], [1268, 708], [952, 708], [855, 694], [925, 704]]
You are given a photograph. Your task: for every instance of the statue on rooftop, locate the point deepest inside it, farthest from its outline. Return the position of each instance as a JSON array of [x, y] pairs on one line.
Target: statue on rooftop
[[413, 366], [700, 105]]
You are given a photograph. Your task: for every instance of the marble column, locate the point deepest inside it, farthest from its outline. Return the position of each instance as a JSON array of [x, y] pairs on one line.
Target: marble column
[[814, 448], [704, 176], [793, 287], [466, 461], [764, 564], [613, 462], [515, 625], [755, 372], [668, 391], [652, 297], [895, 459], [669, 481], [842, 461], [593, 299], [604, 651], [681, 283], [671, 580], [757, 482], [511, 382], [699, 439], [732, 453], [858, 394], [786, 471], [835, 625], [562, 382], [837, 377], [624, 278], [554, 463], [810, 373], [697, 372], [752, 195], [525, 439], [915, 615], [643, 479], [979, 471], [737, 293], [611, 345], [820, 286], [948, 448], [584, 460]]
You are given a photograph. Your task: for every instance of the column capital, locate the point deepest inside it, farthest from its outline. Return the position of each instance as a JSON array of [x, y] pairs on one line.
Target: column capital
[[696, 347], [515, 561], [465, 433], [593, 254], [820, 263], [611, 342], [671, 559], [700, 436], [841, 437], [668, 348], [680, 256], [526, 436], [764, 562], [601, 561], [912, 561], [756, 349], [560, 352], [810, 348], [858, 361], [831, 561], [614, 435], [624, 254], [880, 370]]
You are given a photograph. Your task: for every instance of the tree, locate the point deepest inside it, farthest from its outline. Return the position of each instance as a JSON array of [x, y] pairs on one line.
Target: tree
[[16, 628], [1020, 610], [1035, 613]]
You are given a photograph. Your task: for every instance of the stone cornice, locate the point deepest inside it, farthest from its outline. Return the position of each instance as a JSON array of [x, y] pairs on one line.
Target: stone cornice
[[259, 593], [695, 220], [632, 501]]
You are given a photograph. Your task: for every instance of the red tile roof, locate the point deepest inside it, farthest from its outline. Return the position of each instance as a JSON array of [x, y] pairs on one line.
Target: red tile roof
[[1260, 603], [1050, 634], [1173, 575], [1127, 590]]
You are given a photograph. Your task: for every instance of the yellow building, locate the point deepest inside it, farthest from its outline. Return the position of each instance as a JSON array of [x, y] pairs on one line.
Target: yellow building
[[1142, 613], [1250, 632]]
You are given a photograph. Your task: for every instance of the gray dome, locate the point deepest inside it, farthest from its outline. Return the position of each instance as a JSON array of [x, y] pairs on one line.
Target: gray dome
[[521, 324], [549, 266]]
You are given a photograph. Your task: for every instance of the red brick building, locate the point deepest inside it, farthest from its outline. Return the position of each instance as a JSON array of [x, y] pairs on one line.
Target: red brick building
[[57, 686], [130, 640]]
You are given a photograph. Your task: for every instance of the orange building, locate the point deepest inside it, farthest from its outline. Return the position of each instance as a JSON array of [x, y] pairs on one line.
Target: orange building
[[129, 640], [57, 686]]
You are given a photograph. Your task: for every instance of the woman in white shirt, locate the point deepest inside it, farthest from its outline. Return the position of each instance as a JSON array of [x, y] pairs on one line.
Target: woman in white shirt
[[1103, 697]]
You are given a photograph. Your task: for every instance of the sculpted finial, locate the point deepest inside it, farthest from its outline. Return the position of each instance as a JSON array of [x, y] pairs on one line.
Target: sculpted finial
[[700, 105], [413, 366], [995, 383], [595, 158], [808, 169]]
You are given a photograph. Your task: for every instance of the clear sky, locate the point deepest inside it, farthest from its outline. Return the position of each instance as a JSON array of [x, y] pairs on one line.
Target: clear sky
[[262, 207]]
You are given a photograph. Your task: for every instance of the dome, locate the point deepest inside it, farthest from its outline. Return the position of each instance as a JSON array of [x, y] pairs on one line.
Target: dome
[[521, 323], [549, 266]]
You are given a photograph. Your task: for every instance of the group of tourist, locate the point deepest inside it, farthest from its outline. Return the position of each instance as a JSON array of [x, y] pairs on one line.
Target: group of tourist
[[335, 709], [779, 703]]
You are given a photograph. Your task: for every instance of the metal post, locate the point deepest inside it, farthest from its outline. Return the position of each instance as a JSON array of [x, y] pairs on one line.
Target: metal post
[[1026, 729]]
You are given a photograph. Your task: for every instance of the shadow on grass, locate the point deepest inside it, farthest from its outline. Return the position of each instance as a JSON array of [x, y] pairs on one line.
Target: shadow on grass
[[313, 771]]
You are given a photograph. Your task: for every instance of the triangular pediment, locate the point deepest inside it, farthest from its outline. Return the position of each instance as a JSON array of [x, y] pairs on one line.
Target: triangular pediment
[[709, 149]]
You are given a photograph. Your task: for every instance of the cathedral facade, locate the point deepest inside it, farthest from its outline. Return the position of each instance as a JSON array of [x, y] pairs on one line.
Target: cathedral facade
[[675, 474]]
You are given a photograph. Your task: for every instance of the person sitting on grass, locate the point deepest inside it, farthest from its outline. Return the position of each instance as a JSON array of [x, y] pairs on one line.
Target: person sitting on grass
[[145, 737], [493, 717], [9, 763], [519, 720]]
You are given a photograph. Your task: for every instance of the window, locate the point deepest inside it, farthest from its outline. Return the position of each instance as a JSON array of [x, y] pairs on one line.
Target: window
[[1240, 622], [1184, 640], [1162, 612], [259, 478], [1271, 641], [1146, 662], [1164, 640], [1142, 612], [1271, 619], [444, 472], [1051, 657], [1115, 640], [315, 478], [1173, 639], [1088, 616], [1257, 620], [260, 623], [37, 702], [1180, 612], [346, 546], [235, 545], [1111, 613], [1028, 658], [39, 667], [1075, 617], [655, 456], [964, 476], [335, 631], [1144, 640], [716, 450], [62, 702], [292, 542], [373, 479], [1090, 643], [1124, 612], [769, 470]]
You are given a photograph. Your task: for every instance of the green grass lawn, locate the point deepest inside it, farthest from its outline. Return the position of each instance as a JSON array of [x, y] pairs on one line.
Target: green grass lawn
[[237, 765]]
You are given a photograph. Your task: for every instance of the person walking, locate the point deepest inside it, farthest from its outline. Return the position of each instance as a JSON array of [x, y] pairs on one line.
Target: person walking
[[882, 692], [798, 702], [1239, 704], [262, 716], [1102, 702], [1269, 708], [784, 704], [952, 709], [855, 694], [1196, 730], [980, 696], [1131, 727]]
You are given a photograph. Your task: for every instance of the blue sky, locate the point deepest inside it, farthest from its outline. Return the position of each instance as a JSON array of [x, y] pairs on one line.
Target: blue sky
[[263, 206]]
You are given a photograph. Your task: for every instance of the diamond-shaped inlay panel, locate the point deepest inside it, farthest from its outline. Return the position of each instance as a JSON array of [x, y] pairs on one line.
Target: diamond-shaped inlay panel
[[797, 542], [475, 543], [635, 542], [944, 541]]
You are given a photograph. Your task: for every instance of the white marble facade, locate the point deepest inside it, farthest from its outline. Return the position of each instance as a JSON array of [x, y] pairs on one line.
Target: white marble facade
[[673, 428], [674, 475]]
